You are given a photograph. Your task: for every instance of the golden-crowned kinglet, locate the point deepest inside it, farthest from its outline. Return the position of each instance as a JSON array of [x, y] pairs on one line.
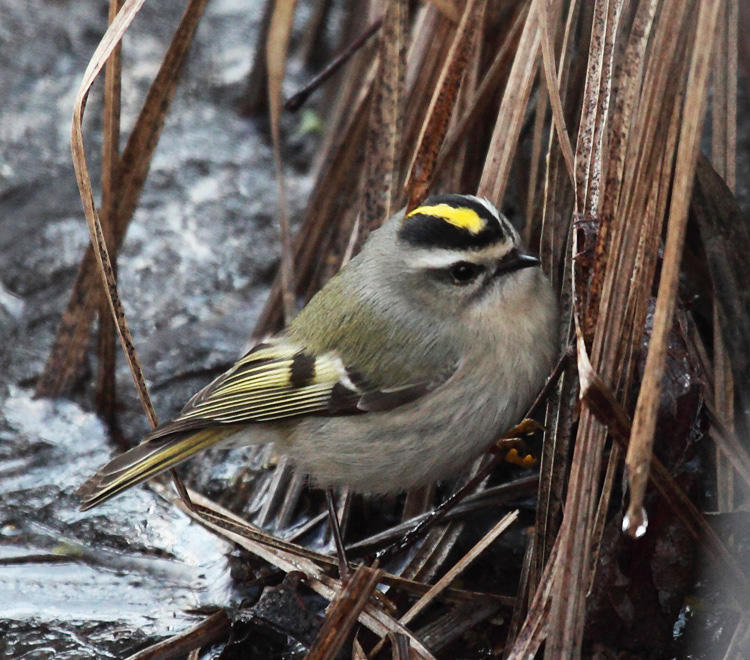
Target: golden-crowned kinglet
[[402, 369]]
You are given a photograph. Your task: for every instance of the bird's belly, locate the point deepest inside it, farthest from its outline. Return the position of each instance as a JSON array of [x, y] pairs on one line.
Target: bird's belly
[[413, 445]]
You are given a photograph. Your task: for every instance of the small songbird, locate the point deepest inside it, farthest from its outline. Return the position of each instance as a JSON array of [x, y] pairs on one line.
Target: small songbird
[[407, 365]]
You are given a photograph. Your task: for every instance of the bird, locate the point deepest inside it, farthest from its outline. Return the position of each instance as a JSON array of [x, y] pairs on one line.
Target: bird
[[402, 369]]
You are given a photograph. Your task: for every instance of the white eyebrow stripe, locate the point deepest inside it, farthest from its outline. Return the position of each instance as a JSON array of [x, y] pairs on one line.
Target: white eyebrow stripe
[[436, 258], [442, 257]]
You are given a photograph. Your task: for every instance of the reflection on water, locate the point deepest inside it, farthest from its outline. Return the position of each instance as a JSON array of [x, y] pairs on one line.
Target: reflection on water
[[73, 580]]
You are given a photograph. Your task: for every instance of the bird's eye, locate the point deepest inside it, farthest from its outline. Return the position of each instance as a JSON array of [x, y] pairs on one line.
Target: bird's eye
[[464, 272]]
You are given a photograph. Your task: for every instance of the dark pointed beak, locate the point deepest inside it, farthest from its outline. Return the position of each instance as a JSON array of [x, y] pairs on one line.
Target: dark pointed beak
[[515, 260]]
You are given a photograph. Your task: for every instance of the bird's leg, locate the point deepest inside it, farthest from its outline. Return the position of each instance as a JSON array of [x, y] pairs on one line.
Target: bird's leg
[[333, 518]]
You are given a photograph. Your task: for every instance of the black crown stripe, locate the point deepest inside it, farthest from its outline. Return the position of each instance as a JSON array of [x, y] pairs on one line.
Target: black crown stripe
[[421, 230]]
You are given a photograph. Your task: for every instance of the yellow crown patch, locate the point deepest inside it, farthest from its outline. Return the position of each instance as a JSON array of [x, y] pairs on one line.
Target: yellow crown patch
[[462, 217]]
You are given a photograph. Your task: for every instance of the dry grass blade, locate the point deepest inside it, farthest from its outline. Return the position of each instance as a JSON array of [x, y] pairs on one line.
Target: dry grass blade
[[282, 476], [508, 124], [425, 58], [724, 402], [566, 614], [433, 552], [434, 128], [723, 156], [724, 98], [111, 127], [109, 41], [589, 150], [72, 335], [558, 194], [732, 18], [534, 628], [640, 448], [313, 45], [647, 150], [628, 81], [553, 88], [599, 398], [136, 157], [553, 472], [213, 515], [460, 566], [399, 646], [418, 500], [719, 127], [449, 627], [485, 92], [256, 90], [105, 387], [383, 135], [540, 114], [358, 653], [295, 102], [211, 629], [448, 8], [343, 613], [597, 91], [602, 512], [276, 49], [519, 611], [450, 594], [293, 492]]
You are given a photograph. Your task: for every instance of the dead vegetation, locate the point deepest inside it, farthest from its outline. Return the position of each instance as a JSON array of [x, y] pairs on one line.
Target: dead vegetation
[[589, 116]]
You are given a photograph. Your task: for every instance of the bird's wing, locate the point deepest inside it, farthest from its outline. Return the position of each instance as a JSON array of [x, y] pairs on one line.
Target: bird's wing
[[279, 379]]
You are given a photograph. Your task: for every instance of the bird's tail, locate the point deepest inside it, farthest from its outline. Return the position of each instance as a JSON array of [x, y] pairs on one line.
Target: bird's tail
[[144, 461]]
